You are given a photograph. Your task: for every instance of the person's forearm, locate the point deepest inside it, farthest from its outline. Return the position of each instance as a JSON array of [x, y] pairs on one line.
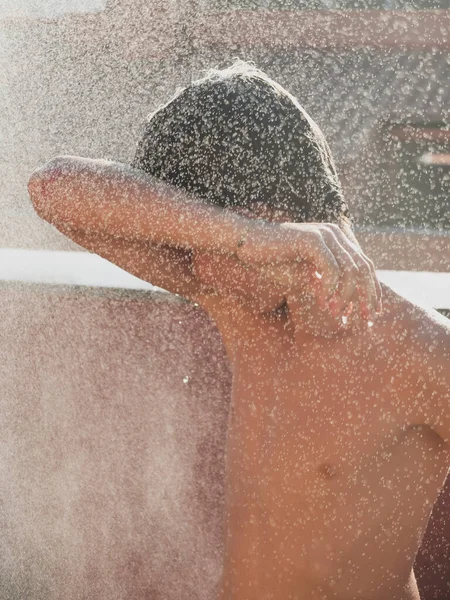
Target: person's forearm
[[105, 197]]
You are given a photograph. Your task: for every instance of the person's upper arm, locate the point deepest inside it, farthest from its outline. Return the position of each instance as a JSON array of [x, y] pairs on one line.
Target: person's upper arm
[[439, 383], [433, 398]]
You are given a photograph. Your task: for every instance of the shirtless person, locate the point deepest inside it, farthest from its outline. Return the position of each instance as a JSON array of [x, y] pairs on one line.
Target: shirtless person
[[338, 439]]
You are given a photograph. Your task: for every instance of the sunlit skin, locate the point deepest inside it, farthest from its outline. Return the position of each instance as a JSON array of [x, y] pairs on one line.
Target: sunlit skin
[[338, 438], [337, 448]]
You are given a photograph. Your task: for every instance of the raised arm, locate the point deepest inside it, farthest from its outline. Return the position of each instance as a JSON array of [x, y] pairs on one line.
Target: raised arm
[[111, 198], [115, 210], [148, 228]]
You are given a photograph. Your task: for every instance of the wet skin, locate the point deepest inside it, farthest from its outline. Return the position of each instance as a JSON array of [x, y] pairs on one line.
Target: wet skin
[[335, 451], [332, 468]]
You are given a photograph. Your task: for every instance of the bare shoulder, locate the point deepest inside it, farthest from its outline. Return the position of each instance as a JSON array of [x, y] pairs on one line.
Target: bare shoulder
[[431, 342], [430, 335], [423, 331], [432, 402], [421, 340]]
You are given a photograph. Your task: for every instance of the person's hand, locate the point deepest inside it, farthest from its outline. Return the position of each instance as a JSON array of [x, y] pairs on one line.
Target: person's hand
[[341, 276]]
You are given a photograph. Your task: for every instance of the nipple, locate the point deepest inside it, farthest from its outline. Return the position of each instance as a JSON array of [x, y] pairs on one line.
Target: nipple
[[327, 470]]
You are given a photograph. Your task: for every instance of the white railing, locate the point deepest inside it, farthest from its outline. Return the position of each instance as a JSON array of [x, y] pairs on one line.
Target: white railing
[[430, 290]]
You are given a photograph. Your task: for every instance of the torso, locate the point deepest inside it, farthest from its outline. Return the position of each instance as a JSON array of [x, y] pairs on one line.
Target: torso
[[331, 479]]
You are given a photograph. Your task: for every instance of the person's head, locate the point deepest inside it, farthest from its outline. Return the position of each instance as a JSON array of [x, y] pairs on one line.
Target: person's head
[[237, 139]]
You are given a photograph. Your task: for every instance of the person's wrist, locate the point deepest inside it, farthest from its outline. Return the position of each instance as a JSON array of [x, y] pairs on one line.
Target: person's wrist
[[252, 240]]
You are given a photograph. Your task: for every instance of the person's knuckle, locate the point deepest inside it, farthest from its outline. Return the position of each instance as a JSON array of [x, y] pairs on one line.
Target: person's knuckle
[[364, 269], [364, 265], [328, 231], [315, 242], [312, 236], [350, 266]]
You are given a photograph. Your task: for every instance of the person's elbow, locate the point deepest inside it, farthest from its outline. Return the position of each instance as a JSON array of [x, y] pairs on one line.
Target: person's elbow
[[43, 184], [36, 191]]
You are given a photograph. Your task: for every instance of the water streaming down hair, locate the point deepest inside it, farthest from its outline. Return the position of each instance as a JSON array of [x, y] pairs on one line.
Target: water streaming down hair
[[236, 137]]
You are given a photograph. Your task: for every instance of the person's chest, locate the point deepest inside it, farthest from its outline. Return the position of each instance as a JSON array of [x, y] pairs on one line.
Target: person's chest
[[317, 415], [323, 443]]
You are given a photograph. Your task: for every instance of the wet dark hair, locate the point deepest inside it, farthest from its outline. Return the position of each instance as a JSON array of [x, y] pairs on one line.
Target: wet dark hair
[[236, 137]]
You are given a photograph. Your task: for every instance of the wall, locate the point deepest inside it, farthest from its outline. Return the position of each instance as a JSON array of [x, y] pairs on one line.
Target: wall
[[114, 410]]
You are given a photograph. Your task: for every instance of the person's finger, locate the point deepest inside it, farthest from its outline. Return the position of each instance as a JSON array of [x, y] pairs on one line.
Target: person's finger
[[314, 249], [377, 295], [367, 293], [349, 274], [348, 311], [368, 284], [379, 291], [349, 236]]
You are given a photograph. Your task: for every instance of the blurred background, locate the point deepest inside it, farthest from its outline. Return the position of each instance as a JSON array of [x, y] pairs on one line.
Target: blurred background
[[79, 77]]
